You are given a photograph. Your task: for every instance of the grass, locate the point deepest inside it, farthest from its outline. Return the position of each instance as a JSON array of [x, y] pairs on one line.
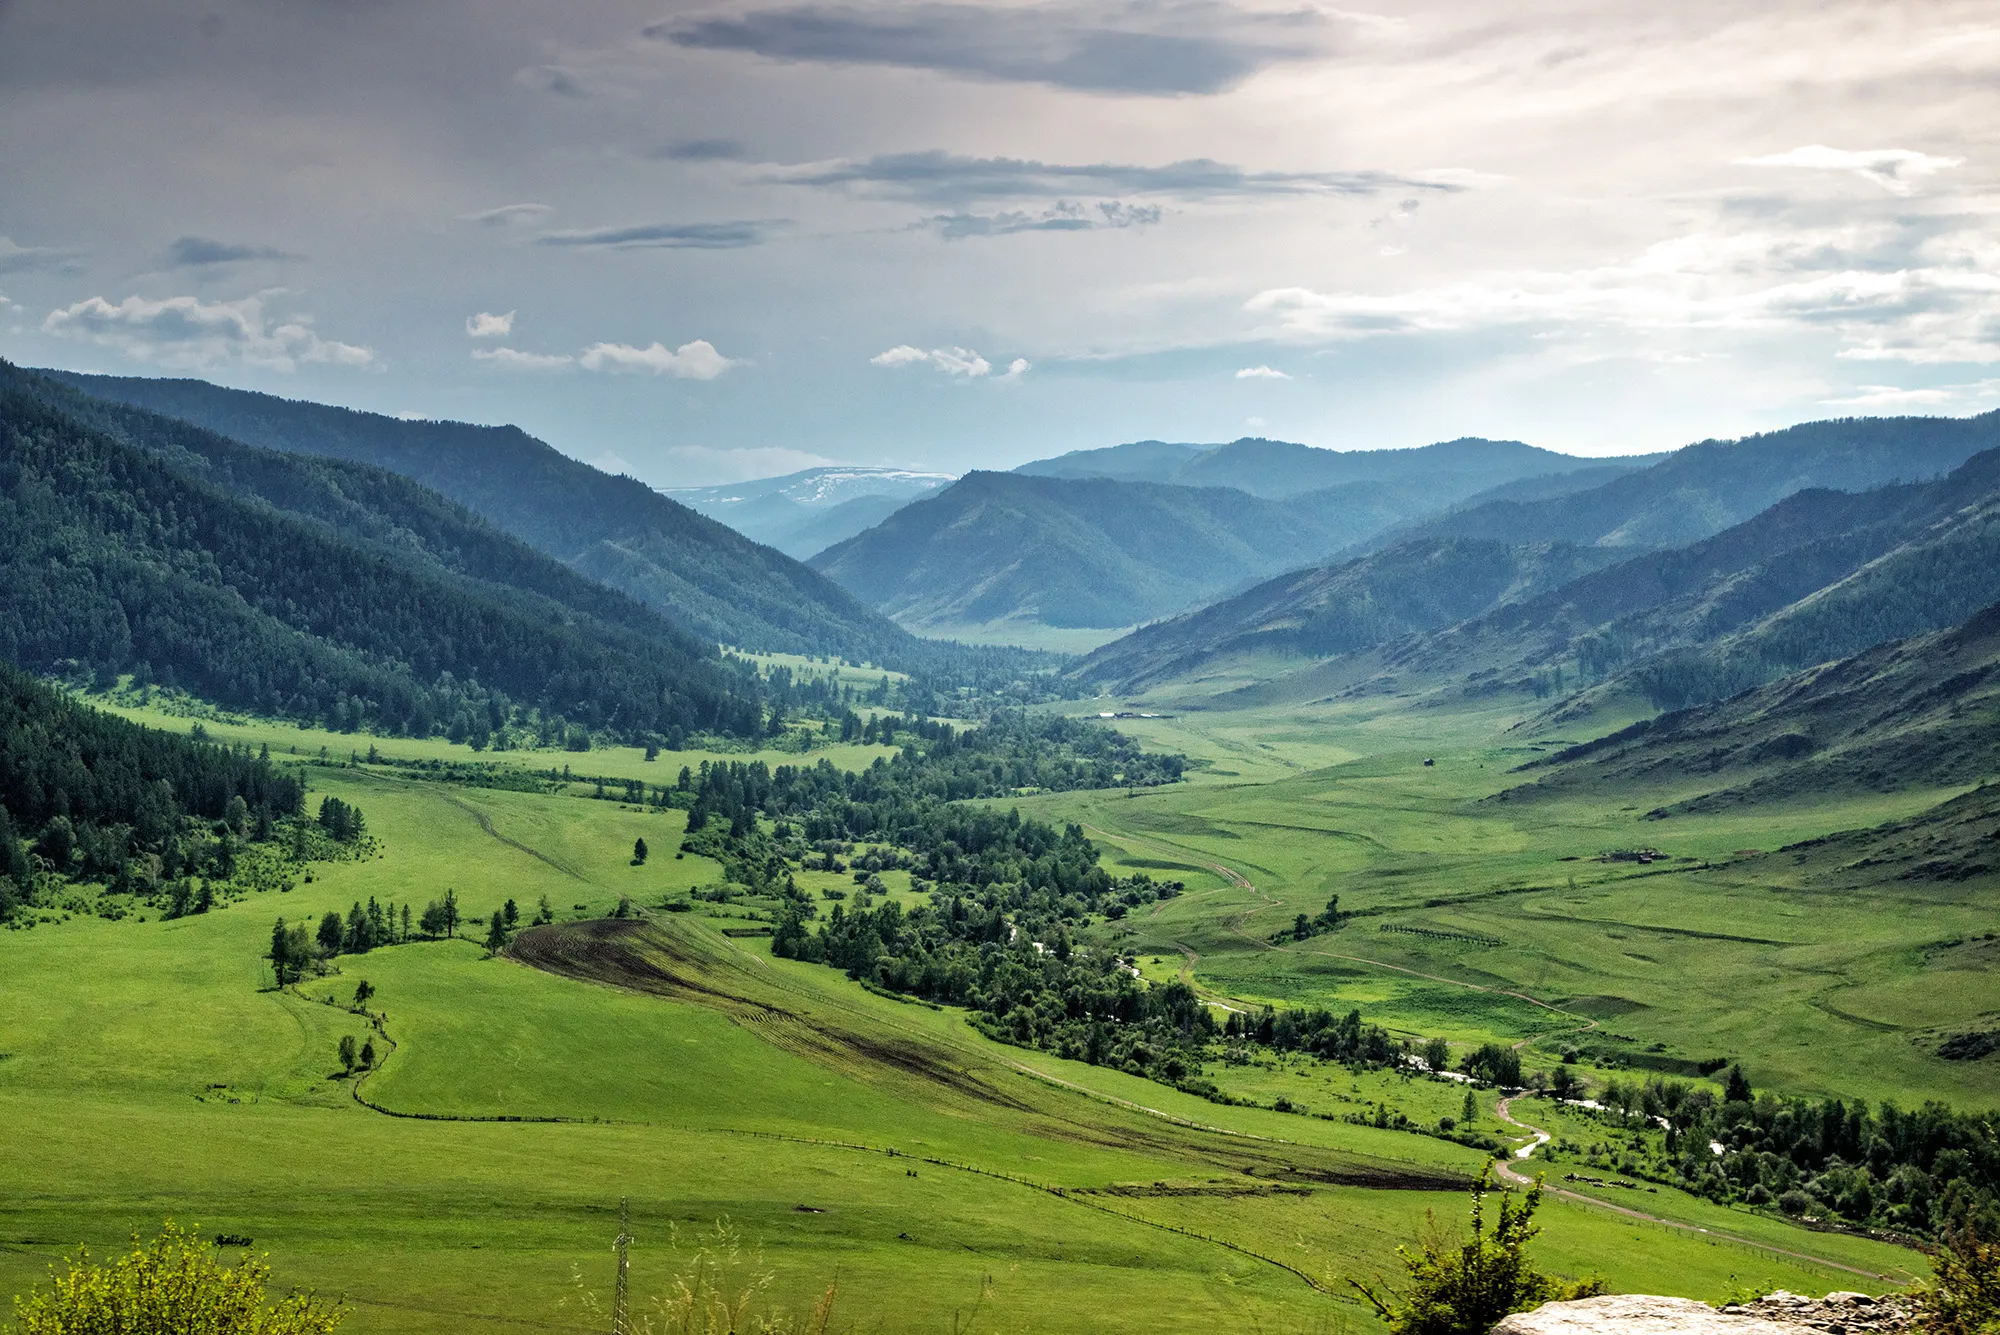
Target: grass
[[159, 1074], [1459, 900]]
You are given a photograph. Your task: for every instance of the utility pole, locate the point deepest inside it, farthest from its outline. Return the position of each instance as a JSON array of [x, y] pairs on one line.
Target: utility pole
[[619, 1324]]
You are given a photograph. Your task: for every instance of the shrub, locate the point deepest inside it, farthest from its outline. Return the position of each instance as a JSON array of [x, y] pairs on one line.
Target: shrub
[[1962, 1295], [1462, 1286], [173, 1286]]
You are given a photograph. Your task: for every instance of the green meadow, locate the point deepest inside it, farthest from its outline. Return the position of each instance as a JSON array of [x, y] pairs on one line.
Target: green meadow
[[472, 1180]]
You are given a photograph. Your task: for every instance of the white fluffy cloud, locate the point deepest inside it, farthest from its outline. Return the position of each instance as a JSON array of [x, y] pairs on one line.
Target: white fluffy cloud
[[1891, 398], [1894, 169], [188, 333], [513, 359], [1892, 292], [952, 361], [1261, 373], [487, 325], [690, 361]]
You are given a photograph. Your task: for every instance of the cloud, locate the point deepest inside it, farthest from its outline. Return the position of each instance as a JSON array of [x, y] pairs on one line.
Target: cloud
[[1017, 368], [952, 361], [690, 361], [15, 258], [1894, 169], [1911, 293], [668, 236], [702, 150], [1062, 216], [513, 359], [1098, 46], [709, 465], [188, 333], [486, 325], [1261, 373], [933, 176], [1889, 396], [193, 252], [507, 215]]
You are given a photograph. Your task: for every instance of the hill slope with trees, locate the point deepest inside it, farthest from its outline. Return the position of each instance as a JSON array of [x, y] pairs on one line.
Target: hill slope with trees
[[114, 558], [1704, 488], [1082, 552], [1819, 575], [711, 579], [1414, 586]]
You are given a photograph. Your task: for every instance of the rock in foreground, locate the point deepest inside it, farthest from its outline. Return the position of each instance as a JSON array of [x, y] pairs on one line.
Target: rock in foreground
[[1779, 1313]]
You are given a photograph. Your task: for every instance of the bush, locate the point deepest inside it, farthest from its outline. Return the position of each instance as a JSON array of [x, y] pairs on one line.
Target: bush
[[174, 1286], [1463, 1286], [1962, 1296]]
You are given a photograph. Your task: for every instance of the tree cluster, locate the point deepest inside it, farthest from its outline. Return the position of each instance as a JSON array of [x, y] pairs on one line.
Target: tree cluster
[[86, 793], [1923, 1171]]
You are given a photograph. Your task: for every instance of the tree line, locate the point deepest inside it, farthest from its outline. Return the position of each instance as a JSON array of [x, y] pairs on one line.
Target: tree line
[[89, 794]]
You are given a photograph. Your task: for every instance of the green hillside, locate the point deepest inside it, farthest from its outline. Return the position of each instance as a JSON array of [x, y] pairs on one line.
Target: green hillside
[[1915, 712], [118, 561], [1819, 575], [1067, 552], [1704, 488], [1414, 586], [707, 577]]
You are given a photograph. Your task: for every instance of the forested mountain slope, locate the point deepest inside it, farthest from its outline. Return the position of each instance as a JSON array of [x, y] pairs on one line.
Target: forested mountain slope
[[711, 579], [1328, 610], [1778, 569], [1089, 552], [1702, 489], [115, 558], [1817, 576], [1919, 711]]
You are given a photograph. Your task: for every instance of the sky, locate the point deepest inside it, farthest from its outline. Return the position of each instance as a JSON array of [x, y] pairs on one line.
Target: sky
[[700, 242]]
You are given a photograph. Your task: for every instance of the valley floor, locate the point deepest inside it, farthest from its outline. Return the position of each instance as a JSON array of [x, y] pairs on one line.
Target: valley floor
[[149, 1069]]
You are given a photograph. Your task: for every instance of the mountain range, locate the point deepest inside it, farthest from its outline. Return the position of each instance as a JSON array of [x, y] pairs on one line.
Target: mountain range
[[1621, 610], [1111, 538], [806, 512], [709, 578], [1277, 469]]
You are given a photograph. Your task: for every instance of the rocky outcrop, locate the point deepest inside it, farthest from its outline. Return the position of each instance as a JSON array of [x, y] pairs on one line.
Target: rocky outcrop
[[1778, 1313]]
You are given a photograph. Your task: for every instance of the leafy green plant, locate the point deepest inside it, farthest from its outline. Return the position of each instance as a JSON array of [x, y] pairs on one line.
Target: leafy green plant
[[1462, 1285], [1962, 1296], [174, 1285]]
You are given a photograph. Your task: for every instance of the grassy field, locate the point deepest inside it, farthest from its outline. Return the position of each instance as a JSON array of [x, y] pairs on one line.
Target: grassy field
[[157, 1072]]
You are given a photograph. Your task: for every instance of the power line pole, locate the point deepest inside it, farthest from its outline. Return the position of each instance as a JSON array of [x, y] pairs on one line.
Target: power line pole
[[619, 1323]]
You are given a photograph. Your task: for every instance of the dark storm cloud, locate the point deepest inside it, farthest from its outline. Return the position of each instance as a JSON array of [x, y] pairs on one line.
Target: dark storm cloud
[[669, 236], [197, 251], [944, 178], [1194, 47]]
